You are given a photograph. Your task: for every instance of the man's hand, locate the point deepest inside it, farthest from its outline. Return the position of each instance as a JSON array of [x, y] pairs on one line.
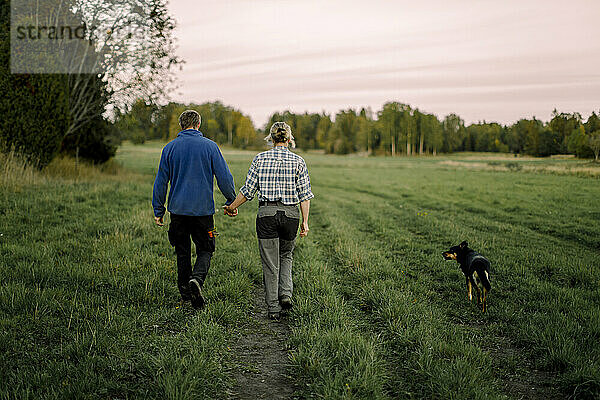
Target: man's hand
[[231, 212], [159, 221], [304, 229]]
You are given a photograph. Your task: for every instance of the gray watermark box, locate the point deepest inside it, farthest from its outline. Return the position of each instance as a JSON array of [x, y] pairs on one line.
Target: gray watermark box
[[51, 37]]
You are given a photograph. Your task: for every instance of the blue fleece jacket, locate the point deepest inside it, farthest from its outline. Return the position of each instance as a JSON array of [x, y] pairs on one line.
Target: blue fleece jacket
[[189, 162]]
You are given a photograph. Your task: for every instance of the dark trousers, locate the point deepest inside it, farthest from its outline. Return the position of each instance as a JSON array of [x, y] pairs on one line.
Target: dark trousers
[[183, 227]]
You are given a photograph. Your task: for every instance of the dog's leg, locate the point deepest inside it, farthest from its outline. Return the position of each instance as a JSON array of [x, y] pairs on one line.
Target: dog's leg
[[478, 294], [484, 297], [469, 287], [475, 282]]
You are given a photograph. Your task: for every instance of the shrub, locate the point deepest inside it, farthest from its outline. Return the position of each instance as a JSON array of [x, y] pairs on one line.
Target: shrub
[[34, 108], [514, 166], [97, 141]]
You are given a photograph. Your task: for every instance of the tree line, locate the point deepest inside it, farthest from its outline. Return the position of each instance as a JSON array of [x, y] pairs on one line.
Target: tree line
[[394, 130], [223, 124]]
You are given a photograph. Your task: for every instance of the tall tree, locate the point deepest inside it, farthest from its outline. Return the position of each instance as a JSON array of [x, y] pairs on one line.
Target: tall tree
[[365, 130], [323, 132], [593, 123], [517, 134], [562, 126], [139, 123], [435, 132], [345, 129], [594, 143], [421, 126], [454, 132], [244, 132], [389, 125], [407, 126]]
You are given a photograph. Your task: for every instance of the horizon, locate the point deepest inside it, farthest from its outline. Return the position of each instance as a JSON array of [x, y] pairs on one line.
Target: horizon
[[483, 62]]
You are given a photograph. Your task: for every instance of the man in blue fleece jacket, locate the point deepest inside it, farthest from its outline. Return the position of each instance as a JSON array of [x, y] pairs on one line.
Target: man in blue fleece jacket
[[189, 162]]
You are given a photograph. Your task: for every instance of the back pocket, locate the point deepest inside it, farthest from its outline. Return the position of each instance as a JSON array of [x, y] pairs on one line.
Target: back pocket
[[266, 211]]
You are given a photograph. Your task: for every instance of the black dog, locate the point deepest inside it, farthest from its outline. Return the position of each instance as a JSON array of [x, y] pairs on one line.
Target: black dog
[[475, 267]]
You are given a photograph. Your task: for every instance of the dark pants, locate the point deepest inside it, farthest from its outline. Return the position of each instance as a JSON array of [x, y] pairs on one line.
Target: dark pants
[[276, 228], [180, 230]]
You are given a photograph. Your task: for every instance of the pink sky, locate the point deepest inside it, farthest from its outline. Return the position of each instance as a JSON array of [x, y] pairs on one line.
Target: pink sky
[[485, 60]]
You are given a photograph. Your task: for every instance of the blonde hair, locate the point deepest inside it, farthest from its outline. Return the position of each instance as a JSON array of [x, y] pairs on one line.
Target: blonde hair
[[281, 132]]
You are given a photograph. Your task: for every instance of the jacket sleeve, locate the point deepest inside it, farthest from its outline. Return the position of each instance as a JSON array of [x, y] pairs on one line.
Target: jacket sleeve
[[223, 175], [159, 192]]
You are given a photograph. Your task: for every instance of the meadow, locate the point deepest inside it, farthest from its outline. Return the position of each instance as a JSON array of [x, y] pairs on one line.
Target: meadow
[[89, 306]]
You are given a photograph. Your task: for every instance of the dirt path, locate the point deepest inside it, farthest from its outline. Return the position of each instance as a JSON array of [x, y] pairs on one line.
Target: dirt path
[[262, 357]]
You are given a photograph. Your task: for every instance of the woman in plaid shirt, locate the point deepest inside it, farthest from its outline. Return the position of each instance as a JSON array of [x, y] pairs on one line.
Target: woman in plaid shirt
[[281, 180]]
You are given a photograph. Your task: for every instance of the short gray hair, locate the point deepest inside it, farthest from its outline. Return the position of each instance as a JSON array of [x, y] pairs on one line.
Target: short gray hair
[[189, 119]]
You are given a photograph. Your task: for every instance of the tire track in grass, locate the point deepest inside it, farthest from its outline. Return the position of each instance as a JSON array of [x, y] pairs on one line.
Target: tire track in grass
[[529, 382], [480, 226], [554, 286], [410, 330], [545, 304], [334, 357], [518, 361]]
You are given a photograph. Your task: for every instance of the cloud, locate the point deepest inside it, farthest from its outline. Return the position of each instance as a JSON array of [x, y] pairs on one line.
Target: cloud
[[483, 60]]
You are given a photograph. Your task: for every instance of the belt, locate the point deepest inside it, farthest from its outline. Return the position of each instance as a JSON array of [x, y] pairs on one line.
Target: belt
[[270, 203]]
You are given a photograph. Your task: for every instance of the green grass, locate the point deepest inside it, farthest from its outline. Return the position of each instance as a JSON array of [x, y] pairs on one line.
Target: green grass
[[88, 302], [88, 305]]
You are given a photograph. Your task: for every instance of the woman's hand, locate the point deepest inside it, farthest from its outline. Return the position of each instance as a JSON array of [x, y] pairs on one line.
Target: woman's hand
[[232, 209], [304, 229], [304, 209], [232, 212]]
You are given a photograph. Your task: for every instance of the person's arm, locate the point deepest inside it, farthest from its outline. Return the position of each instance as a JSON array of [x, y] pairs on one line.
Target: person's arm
[[251, 185], [304, 195], [247, 191], [159, 191], [223, 175], [304, 209], [231, 209]]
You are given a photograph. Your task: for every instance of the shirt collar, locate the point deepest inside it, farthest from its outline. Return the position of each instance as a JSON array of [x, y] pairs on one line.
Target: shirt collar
[[190, 132], [280, 148]]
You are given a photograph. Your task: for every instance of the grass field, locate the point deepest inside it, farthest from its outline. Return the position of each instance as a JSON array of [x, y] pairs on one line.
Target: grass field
[[89, 306]]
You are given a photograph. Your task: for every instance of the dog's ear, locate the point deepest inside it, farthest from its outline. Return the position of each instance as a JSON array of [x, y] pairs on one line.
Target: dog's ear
[[464, 244]]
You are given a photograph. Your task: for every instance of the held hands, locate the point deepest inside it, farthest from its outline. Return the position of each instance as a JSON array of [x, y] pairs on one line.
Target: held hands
[[231, 212], [304, 229]]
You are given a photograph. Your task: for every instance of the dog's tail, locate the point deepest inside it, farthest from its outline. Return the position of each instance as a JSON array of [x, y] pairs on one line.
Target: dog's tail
[[485, 281], [486, 278]]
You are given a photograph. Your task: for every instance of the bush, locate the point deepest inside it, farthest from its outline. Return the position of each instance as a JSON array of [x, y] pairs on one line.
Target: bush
[[514, 166], [36, 114], [34, 108], [97, 141]]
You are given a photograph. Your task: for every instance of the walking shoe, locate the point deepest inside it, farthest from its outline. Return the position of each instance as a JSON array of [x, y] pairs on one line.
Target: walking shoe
[[274, 316], [285, 302], [196, 292]]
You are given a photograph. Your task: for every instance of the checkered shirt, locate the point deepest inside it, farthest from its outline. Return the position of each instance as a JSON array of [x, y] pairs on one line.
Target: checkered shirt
[[278, 175]]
